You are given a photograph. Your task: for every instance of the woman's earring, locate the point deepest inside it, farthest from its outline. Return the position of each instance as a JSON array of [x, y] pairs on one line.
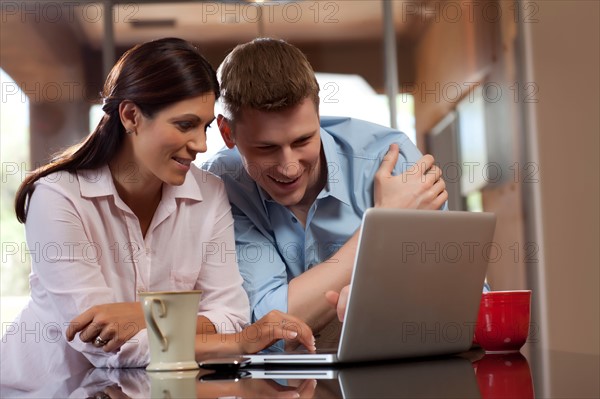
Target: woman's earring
[[128, 132]]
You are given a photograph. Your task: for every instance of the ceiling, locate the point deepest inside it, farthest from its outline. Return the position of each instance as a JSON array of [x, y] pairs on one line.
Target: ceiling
[[239, 21], [62, 41]]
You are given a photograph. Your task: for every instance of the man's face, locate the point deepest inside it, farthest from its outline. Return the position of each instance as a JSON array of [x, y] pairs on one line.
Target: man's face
[[281, 152]]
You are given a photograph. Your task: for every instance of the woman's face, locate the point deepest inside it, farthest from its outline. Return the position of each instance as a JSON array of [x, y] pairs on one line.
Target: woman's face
[[166, 144]]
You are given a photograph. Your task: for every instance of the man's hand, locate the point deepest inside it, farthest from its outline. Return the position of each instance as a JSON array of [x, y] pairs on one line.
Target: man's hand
[[114, 323], [339, 301], [420, 187]]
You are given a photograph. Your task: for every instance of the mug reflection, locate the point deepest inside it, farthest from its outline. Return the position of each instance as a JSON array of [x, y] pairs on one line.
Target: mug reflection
[[504, 375]]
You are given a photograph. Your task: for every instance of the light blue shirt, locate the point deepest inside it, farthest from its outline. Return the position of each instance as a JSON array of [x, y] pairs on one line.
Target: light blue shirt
[[272, 246]]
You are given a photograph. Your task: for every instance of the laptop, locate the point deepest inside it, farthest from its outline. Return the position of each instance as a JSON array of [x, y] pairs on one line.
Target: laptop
[[415, 289]]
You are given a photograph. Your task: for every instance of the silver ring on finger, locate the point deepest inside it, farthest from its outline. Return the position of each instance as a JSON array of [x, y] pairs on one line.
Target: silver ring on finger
[[99, 342]]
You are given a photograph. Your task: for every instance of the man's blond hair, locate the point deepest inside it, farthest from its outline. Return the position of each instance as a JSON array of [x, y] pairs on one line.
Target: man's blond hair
[[268, 75]]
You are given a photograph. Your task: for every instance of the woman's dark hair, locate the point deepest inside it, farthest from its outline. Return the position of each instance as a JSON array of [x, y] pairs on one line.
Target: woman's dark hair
[[153, 76]]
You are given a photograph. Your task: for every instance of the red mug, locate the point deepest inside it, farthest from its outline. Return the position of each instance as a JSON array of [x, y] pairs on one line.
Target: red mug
[[503, 320]]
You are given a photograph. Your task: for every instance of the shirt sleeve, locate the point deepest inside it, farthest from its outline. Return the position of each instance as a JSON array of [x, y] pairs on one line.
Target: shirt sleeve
[[409, 155], [72, 278], [224, 301], [262, 268]]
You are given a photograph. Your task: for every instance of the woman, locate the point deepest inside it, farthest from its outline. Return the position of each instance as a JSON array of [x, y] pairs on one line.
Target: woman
[[126, 211]]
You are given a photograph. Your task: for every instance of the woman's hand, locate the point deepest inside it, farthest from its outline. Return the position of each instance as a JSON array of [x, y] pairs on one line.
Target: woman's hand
[[113, 323], [265, 332], [274, 326]]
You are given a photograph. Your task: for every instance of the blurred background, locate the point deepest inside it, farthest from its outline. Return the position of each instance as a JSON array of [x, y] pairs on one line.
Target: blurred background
[[505, 95]]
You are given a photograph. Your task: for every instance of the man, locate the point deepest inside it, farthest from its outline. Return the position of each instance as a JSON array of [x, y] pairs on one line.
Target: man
[[299, 186]]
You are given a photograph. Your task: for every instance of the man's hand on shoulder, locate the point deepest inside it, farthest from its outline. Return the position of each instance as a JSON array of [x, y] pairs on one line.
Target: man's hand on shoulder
[[420, 187]]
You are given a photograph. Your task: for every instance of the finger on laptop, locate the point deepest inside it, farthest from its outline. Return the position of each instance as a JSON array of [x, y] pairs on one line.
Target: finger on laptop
[[277, 325], [342, 302], [339, 301], [295, 330], [332, 297]]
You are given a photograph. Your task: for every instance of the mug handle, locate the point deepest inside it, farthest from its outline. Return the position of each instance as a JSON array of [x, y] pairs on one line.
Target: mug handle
[[149, 310]]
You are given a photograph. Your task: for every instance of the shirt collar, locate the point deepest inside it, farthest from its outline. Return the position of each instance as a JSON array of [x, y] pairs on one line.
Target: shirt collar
[[99, 183], [336, 180], [190, 189], [96, 182]]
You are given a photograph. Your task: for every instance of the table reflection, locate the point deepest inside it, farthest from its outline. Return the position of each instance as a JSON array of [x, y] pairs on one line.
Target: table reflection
[[470, 375], [137, 383], [444, 377]]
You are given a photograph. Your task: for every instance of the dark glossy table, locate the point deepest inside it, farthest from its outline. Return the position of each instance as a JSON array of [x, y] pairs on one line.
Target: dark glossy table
[[533, 372]]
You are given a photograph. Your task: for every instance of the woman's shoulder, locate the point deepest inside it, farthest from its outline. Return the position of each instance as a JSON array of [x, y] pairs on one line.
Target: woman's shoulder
[[74, 185], [59, 181], [58, 189]]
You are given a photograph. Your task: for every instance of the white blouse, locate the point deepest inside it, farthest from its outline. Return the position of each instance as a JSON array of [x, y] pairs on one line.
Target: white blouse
[[87, 248]]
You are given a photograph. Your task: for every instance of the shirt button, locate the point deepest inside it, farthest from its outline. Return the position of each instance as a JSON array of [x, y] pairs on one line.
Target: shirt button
[[294, 220]]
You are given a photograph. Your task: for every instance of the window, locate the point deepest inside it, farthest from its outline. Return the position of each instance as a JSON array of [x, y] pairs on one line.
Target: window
[[14, 138], [341, 95]]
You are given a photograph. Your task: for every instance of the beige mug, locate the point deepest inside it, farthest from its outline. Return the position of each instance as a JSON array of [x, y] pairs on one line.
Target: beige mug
[[171, 323]]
